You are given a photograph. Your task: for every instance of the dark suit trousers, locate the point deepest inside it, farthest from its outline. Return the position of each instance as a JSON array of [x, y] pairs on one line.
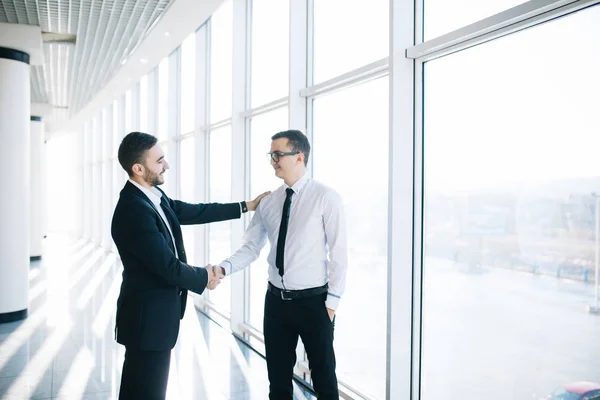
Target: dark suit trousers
[[285, 321], [145, 375]]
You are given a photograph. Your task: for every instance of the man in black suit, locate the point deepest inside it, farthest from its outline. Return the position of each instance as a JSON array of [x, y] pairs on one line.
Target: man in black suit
[[156, 278]]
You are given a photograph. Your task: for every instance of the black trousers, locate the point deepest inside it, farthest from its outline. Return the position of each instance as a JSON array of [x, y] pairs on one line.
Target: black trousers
[[145, 375], [285, 321]]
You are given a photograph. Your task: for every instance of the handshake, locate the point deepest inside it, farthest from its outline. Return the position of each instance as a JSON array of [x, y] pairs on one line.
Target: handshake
[[215, 275]]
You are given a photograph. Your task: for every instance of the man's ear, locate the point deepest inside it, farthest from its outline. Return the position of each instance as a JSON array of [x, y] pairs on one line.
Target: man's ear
[[138, 169], [300, 158]]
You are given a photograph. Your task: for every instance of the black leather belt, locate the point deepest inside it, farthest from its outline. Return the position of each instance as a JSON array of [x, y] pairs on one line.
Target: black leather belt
[[296, 294]]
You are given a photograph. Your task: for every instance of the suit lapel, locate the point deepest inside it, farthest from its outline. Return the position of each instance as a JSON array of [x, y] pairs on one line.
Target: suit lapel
[[130, 189], [175, 227]]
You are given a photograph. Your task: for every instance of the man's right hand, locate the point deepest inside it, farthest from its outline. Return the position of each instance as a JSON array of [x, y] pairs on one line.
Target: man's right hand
[[215, 275]]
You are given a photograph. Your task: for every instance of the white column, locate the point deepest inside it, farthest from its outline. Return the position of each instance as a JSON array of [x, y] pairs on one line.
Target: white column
[[36, 224], [18, 45]]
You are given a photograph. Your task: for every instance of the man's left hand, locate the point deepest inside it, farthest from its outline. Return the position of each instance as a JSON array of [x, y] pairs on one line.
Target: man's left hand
[[331, 313], [254, 203]]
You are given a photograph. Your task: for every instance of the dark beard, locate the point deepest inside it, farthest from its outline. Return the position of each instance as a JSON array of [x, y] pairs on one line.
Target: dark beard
[[152, 179]]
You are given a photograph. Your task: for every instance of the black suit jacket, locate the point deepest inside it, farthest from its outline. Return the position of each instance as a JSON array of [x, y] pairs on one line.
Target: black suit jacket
[[155, 282]]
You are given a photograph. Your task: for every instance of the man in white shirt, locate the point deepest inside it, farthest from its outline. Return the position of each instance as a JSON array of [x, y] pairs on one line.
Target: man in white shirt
[[305, 224]]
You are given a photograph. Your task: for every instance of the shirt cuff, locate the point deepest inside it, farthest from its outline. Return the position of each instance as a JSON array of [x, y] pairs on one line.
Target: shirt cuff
[[227, 267], [332, 301]]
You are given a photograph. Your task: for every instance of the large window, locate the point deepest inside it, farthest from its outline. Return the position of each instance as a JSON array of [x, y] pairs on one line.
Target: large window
[[187, 188], [262, 179], [270, 50], [219, 238], [163, 99], [188, 84], [350, 155], [510, 228], [348, 35], [221, 59]]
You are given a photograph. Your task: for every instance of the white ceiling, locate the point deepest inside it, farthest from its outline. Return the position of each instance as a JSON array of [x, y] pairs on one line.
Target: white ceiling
[[92, 49], [182, 18], [77, 66]]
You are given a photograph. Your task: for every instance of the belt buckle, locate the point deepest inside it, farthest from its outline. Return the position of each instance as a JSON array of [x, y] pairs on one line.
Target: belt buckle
[[283, 293]]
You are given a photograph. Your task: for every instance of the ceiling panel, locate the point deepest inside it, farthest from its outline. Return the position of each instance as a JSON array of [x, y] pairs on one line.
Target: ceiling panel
[[107, 31]]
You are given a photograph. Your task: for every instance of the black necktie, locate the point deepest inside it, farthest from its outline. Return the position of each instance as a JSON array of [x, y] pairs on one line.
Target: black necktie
[[285, 217]]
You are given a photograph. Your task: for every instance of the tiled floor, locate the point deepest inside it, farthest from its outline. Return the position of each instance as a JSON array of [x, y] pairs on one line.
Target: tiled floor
[[65, 348]]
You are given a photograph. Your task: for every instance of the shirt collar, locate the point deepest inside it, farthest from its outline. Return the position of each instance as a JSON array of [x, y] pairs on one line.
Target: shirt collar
[[154, 195], [300, 184]]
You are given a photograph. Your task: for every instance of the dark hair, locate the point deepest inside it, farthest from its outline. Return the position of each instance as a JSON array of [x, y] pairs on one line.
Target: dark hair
[[133, 149], [297, 141]]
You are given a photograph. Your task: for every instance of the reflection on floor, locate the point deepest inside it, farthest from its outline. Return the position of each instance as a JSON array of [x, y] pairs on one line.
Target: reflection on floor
[[65, 348]]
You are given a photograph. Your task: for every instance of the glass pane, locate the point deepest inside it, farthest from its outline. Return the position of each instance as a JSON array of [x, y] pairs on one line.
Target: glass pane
[[144, 104], [187, 190], [163, 99], [117, 135], [348, 35], [270, 50], [360, 334], [443, 16], [128, 112], [219, 239], [188, 84], [119, 179], [105, 133], [510, 229], [221, 49], [262, 179]]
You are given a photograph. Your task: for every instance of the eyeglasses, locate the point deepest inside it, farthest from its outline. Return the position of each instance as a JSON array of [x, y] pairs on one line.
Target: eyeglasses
[[276, 155]]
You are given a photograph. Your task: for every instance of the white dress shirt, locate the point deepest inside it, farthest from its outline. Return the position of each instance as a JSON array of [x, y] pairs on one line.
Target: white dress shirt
[[155, 196], [315, 246]]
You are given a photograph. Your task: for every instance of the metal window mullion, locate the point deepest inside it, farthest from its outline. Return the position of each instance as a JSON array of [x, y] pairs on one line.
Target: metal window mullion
[[121, 116], [239, 181], [299, 62], [216, 125], [108, 190], [523, 16], [359, 75], [80, 182], [403, 173], [418, 207], [152, 101], [265, 108], [200, 141], [98, 185], [87, 144], [135, 107], [173, 94]]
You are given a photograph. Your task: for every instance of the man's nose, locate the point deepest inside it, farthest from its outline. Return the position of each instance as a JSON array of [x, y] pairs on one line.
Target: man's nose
[[166, 165]]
